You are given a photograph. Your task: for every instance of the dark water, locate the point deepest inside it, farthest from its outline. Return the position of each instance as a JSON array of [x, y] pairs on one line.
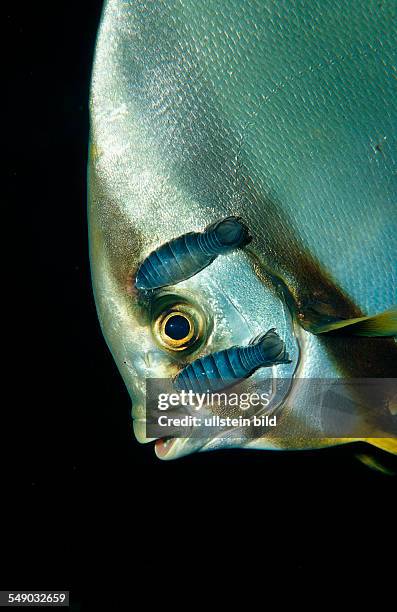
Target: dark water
[[84, 505]]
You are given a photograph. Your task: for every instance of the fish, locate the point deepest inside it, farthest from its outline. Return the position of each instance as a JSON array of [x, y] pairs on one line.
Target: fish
[[282, 114]]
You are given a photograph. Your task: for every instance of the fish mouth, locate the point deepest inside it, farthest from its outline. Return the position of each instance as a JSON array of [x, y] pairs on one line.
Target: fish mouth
[[162, 445], [168, 448], [165, 447]]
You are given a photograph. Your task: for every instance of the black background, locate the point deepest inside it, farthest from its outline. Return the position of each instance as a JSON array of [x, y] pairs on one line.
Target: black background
[[84, 505]]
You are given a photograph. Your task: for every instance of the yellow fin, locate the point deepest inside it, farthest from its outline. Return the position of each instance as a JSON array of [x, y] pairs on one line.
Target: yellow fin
[[375, 464], [377, 461], [383, 324]]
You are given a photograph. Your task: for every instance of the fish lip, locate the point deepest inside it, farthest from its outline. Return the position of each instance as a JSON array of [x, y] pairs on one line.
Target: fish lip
[[139, 427], [171, 442], [161, 444]]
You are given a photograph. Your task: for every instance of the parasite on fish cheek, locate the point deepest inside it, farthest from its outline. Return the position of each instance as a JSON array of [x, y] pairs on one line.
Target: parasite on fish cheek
[[222, 369], [178, 325]]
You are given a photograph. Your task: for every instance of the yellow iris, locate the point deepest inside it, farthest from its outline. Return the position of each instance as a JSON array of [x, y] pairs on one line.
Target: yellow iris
[[178, 325]]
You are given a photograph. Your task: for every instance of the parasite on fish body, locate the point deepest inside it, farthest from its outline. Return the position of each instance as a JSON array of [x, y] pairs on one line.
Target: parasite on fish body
[[225, 368], [183, 257]]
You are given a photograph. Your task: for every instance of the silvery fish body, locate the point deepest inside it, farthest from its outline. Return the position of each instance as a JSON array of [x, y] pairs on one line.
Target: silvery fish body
[[282, 113]]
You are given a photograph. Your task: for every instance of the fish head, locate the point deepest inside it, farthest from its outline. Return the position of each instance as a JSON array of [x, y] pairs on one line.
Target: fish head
[[226, 304]]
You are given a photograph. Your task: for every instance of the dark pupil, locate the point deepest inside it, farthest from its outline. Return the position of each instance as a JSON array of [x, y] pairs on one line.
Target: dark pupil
[[177, 327]]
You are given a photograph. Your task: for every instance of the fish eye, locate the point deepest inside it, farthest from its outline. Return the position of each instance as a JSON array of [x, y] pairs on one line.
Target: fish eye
[[177, 328], [178, 324]]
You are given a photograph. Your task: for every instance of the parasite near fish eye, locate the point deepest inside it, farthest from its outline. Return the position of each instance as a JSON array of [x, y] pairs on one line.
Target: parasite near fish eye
[[224, 368], [184, 256], [178, 324]]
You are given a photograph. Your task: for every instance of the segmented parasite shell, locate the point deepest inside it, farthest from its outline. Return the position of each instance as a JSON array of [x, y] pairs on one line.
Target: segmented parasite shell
[[225, 368], [183, 257]]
